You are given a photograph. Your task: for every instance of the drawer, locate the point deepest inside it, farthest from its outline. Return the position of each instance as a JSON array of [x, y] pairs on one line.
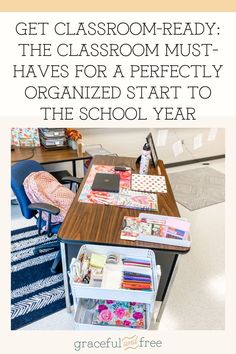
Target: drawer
[[84, 322], [81, 290]]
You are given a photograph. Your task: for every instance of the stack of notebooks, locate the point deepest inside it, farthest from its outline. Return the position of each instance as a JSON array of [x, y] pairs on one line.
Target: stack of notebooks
[[157, 229], [121, 195], [136, 281], [136, 262]]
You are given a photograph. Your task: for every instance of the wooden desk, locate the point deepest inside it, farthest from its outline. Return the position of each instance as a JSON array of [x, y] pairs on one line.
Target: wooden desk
[[101, 224], [44, 156]]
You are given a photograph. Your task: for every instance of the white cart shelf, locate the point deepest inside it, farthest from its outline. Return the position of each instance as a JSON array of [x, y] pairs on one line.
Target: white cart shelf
[[81, 290]]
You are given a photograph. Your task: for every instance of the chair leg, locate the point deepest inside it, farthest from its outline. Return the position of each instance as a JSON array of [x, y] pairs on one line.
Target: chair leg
[[56, 266], [55, 245]]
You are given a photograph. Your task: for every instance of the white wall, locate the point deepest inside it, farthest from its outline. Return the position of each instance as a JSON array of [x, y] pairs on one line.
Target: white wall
[[129, 142]]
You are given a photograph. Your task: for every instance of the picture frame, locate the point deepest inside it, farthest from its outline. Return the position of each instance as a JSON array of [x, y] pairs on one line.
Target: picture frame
[[154, 156]]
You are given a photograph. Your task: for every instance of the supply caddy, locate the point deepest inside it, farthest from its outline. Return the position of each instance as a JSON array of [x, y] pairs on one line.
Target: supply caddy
[[122, 281]]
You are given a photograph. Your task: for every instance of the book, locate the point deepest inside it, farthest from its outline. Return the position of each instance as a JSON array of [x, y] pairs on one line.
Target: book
[[157, 229], [148, 183], [126, 197], [137, 200]]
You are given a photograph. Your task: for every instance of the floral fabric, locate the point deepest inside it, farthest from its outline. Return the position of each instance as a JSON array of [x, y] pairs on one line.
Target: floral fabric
[[42, 187], [120, 313], [25, 137]]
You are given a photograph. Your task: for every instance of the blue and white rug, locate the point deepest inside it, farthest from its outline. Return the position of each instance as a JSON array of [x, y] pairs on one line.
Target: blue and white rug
[[35, 292]]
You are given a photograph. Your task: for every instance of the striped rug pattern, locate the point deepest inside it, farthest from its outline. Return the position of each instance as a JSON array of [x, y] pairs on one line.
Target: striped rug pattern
[[35, 292]]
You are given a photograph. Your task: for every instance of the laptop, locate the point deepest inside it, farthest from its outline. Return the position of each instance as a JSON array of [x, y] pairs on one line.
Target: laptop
[[106, 182]]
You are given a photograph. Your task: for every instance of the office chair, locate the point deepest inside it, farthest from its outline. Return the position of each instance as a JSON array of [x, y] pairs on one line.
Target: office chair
[[19, 172]]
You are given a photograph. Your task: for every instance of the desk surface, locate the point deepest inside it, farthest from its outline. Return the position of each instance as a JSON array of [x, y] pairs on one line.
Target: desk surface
[[99, 223], [44, 156]]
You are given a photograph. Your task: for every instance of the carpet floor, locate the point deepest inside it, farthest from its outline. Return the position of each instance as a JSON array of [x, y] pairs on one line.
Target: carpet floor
[[35, 292], [198, 188]]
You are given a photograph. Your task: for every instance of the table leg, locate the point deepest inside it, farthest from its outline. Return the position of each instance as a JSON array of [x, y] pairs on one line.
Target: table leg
[[65, 276], [74, 167], [168, 288]]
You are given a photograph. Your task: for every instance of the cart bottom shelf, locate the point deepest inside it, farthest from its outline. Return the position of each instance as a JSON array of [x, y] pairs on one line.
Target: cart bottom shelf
[[84, 319]]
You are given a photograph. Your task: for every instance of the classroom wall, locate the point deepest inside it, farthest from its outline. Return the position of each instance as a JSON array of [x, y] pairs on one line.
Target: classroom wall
[[129, 142]]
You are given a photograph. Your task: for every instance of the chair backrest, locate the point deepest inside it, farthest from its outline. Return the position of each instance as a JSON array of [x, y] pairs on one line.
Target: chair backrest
[[19, 172]]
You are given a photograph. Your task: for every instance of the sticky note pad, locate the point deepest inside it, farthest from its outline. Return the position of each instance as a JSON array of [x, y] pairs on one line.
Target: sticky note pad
[[98, 260]]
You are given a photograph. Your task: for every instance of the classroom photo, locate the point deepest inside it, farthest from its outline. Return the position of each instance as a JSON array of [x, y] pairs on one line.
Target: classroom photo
[[117, 229]]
